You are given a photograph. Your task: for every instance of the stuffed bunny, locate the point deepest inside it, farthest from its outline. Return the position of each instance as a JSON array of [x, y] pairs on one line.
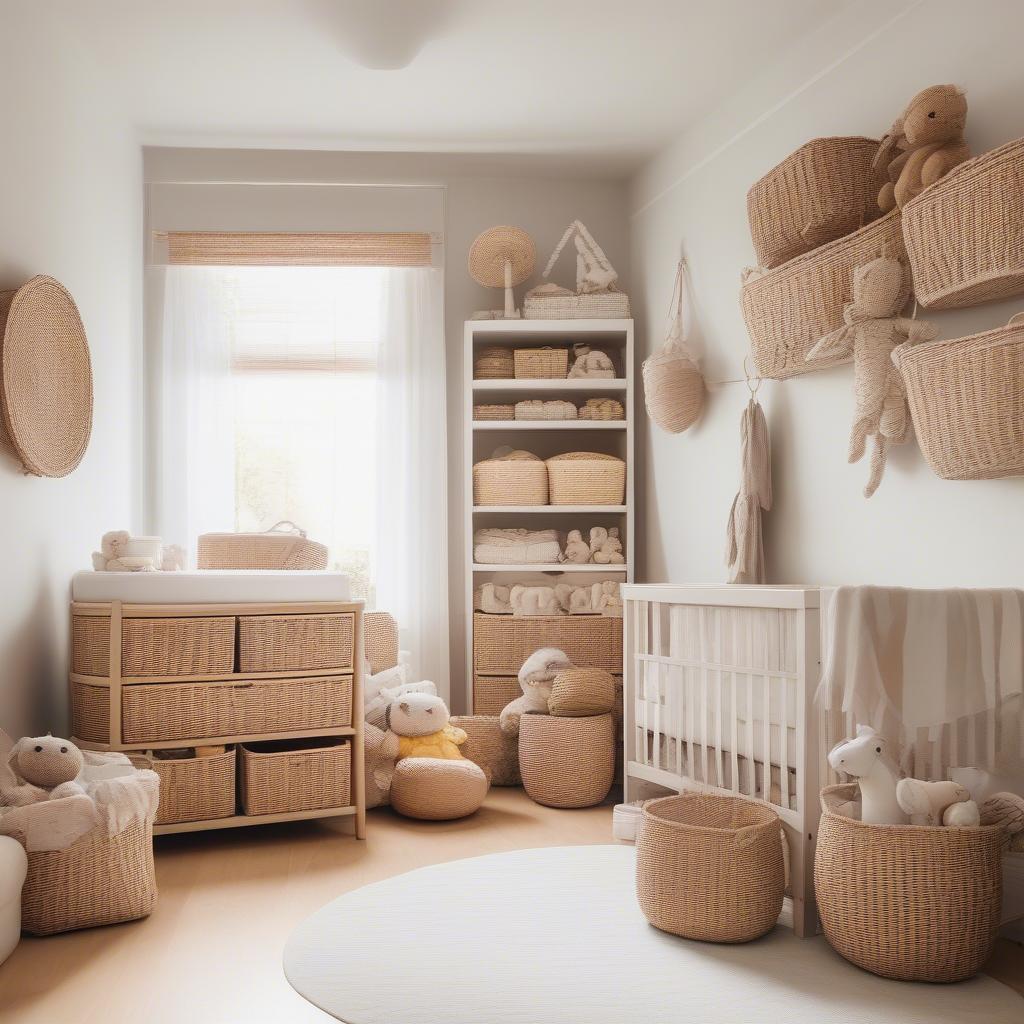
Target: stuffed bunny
[[44, 768], [929, 139], [591, 363], [577, 550], [605, 546], [535, 678], [873, 329]]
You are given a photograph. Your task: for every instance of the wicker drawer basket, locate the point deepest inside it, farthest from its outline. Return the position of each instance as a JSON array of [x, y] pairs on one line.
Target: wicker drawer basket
[[567, 762], [510, 482], [912, 902], [586, 478], [295, 775], [90, 645], [295, 643], [966, 398], [789, 309], [501, 643], [963, 234], [824, 190], [493, 363], [193, 788], [160, 712], [200, 646], [541, 363]]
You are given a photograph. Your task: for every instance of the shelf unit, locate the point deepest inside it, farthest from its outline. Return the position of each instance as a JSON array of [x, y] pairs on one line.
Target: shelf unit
[[546, 438]]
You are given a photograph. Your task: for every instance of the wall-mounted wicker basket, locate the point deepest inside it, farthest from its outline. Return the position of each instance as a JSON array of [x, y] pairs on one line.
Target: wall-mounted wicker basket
[[505, 481], [541, 363], [966, 398], [787, 310], [825, 190], [965, 234], [586, 478]]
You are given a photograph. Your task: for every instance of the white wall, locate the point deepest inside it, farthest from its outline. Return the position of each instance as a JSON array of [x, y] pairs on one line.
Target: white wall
[[70, 202], [851, 78], [541, 195]]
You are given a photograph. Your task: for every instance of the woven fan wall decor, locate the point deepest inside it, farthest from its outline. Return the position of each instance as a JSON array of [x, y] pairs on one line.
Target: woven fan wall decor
[[45, 378]]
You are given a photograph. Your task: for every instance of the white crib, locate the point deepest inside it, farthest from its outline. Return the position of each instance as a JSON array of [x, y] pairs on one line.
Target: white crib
[[718, 695]]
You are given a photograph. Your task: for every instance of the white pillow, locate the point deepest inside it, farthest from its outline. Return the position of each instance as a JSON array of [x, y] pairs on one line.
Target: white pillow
[[388, 678]]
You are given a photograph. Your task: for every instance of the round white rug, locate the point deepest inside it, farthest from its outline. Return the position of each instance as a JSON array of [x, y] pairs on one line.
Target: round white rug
[[555, 936]]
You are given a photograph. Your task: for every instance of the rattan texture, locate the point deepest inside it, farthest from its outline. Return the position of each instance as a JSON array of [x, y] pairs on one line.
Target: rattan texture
[[579, 692], [493, 248], [673, 391], [787, 310], [194, 788], [198, 646], [90, 712], [46, 395], [963, 234], [269, 550], [586, 478], [824, 190], [381, 640], [501, 643], [541, 363], [710, 867], [435, 789], [495, 751], [494, 412], [494, 363], [510, 482], [293, 776], [492, 692], [912, 902], [295, 643], [966, 399], [90, 645], [567, 762], [609, 305], [99, 879]]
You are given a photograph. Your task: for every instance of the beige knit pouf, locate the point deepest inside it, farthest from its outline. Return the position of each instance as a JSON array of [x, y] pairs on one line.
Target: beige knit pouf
[[567, 762], [435, 789], [582, 692], [487, 746]]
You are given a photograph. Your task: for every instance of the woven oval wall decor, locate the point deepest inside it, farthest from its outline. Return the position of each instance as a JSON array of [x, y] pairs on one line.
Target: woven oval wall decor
[[45, 377]]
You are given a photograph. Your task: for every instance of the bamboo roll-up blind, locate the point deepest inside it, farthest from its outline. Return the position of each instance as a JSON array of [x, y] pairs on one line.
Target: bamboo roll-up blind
[[299, 249]]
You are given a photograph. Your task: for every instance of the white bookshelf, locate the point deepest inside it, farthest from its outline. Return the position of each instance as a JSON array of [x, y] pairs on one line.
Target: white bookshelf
[[547, 438]]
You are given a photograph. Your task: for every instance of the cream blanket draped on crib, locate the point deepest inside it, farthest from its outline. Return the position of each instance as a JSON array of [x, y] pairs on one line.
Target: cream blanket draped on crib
[[939, 672]]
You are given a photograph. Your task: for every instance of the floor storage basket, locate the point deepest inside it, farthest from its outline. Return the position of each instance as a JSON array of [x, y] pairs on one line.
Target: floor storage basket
[[963, 234], [586, 478], [295, 643], [493, 363], [710, 867], [295, 775], [194, 788], [912, 902], [825, 190], [541, 363], [787, 310], [966, 398], [204, 645], [510, 482], [496, 752], [567, 762]]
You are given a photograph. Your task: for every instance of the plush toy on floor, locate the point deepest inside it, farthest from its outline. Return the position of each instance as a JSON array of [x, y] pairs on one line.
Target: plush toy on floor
[[873, 329], [420, 723], [865, 758], [535, 678], [44, 768], [380, 750]]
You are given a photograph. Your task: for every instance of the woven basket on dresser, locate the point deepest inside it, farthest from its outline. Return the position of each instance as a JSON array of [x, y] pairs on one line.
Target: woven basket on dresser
[[541, 363], [787, 310], [567, 762], [710, 867], [510, 482], [824, 190], [607, 305], [294, 775], [586, 478], [193, 788], [270, 550], [964, 234], [493, 363], [966, 398], [912, 902]]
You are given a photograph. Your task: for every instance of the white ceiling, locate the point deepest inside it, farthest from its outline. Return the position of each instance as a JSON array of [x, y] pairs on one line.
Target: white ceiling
[[601, 80]]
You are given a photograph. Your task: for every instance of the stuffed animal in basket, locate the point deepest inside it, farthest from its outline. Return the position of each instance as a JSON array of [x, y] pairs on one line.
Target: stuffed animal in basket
[[535, 678], [929, 803], [925, 144], [44, 768], [873, 329], [866, 758], [419, 722]]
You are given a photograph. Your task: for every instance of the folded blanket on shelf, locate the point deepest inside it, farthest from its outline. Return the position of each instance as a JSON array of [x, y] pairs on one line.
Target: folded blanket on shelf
[[536, 409], [601, 598], [516, 547]]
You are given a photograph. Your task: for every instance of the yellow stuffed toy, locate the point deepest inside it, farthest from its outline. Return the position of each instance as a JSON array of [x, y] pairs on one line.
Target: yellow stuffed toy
[[420, 723]]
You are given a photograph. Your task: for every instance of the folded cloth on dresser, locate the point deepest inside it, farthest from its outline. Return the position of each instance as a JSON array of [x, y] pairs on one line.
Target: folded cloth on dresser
[[516, 547], [939, 672]]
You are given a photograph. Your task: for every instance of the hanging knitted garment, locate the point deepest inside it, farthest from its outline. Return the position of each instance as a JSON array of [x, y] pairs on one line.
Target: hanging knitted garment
[[745, 547]]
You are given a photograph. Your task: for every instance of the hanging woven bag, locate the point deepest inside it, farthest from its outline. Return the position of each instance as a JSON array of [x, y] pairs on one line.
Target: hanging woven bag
[[673, 385]]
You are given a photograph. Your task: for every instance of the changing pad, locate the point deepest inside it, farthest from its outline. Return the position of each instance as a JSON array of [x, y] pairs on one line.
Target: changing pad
[[211, 586]]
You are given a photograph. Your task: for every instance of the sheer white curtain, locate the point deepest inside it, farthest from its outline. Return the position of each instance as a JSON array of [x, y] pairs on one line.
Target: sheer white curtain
[[411, 550]]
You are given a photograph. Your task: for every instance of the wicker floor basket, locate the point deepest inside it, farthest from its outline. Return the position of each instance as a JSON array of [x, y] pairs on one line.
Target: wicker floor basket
[[824, 190], [510, 482], [907, 901], [789, 309], [586, 478], [567, 762], [493, 363], [295, 775], [963, 234], [495, 751], [541, 363], [194, 788], [966, 398], [710, 867]]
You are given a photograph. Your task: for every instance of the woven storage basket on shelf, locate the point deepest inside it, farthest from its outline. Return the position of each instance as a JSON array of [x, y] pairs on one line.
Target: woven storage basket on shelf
[[912, 902], [541, 363], [580, 692], [963, 234], [710, 867], [494, 412], [586, 478], [493, 363], [510, 481], [193, 788], [824, 190], [608, 305], [199, 646], [567, 762], [787, 310], [501, 643], [966, 398], [295, 643], [295, 775]]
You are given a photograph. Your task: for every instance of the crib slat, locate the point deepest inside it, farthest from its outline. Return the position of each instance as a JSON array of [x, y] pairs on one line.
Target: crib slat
[[783, 720], [719, 752], [658, 754], [766, 771], [751, 762]]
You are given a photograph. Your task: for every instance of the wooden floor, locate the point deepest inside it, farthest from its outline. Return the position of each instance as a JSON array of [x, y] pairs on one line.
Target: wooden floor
[[211, 953]]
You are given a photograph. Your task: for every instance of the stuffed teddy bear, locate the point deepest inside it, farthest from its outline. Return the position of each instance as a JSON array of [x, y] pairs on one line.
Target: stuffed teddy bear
[[420, 723], [526, 600], [929, 138], [45, 768], [605, 599], [927, 802], [380, 751], [591, 363], [535, 678], [577, 550], [493, 598], [605, 546], [873, 329]]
